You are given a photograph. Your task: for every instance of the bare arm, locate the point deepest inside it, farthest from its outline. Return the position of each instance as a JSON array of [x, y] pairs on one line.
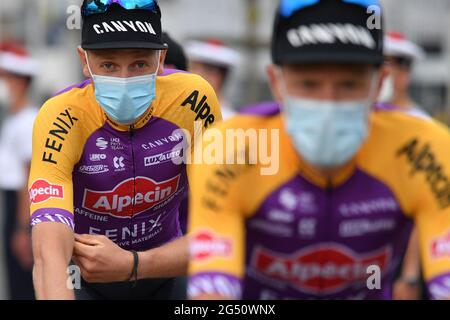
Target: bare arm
[[411, 265], [103, 261], [170, 260], [52, 250], [407, 287]]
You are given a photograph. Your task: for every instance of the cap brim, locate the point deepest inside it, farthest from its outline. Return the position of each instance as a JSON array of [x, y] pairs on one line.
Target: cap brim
[[125, 45], [328, 57]]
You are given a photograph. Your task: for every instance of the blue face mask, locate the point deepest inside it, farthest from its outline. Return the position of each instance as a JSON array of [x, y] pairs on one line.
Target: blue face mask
[[327, 134], [125, 100]]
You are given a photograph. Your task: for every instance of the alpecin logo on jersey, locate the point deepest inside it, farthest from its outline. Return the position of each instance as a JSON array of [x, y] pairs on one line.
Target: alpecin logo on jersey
[[199, 105], [41, 190], [206, 245], [319, 269], [119, 201], [440, 247], [424, 161]]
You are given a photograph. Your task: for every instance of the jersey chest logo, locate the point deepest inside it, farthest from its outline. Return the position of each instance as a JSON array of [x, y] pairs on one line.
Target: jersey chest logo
[[323, 270], [120, 201]]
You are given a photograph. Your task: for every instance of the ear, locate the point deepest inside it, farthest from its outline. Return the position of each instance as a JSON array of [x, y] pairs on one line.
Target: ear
[[84, 65], [162, 60], [274, 82]]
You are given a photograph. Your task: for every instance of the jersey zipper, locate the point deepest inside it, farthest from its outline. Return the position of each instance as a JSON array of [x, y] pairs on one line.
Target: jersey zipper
[[328, 223], [131, 131]]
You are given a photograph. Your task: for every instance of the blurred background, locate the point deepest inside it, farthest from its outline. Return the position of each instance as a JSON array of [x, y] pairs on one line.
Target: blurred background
[[44, 27], [244, 25]]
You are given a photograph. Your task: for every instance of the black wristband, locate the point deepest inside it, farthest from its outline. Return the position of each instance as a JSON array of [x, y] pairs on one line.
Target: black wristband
[[410, 281], [134, 272]]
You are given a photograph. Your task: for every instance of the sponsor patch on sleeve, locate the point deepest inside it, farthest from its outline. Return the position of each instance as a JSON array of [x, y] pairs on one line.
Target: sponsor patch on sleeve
[[206, 245], [440, 247], [41, 190]]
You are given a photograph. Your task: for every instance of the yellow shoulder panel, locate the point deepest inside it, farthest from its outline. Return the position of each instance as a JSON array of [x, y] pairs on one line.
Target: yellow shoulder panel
[[60, 131], [183, 98], [412, 157]]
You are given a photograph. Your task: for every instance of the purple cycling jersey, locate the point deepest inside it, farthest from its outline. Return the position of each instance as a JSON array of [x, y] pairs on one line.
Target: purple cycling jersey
[[124, 182], [300, 234]]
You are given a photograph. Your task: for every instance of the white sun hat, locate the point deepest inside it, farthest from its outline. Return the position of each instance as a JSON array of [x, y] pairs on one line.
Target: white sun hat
[[397, 45], [212, 52], [15, 59]]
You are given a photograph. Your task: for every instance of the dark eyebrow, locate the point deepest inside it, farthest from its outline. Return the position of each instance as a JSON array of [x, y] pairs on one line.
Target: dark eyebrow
[[113, 54]]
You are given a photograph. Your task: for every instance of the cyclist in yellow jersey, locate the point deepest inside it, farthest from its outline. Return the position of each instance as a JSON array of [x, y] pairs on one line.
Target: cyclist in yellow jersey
[[335, 220], [105, 188]]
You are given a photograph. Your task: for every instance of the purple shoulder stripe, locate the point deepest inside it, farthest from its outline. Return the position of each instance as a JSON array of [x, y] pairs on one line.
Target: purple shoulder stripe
[[262, 109], [168, 72], [215, 283], [80, 85], [439, 287], [384, 107], [52, 215]]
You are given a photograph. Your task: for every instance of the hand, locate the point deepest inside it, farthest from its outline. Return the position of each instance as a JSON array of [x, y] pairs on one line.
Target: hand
[[101, 260], [21, 248], [406, 291]]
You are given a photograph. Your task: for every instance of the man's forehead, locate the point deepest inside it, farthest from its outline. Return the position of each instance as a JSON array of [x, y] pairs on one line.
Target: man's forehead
[[120, 53]]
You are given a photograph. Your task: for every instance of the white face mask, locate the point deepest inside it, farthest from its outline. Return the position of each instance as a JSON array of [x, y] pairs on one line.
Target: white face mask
[[327, 134], [5, 95], [387, 90]]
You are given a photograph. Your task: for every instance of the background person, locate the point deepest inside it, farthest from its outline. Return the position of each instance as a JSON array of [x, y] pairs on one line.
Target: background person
[[17, 70], [175, 57], [401, 54], [213, 61]]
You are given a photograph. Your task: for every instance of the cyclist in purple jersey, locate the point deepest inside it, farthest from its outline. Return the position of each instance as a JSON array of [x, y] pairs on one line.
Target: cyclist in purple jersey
[[335, 219], [107, 174]]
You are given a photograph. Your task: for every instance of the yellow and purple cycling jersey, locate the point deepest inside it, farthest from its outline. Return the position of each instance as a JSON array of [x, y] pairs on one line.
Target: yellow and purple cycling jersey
[[298, 235], [99, 177]]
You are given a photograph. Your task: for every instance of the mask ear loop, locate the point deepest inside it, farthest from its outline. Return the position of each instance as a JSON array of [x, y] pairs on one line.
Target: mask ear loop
[[87, 63], [373, 86], [372, 97], [279, 74], [282, 84], [159, 62]]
